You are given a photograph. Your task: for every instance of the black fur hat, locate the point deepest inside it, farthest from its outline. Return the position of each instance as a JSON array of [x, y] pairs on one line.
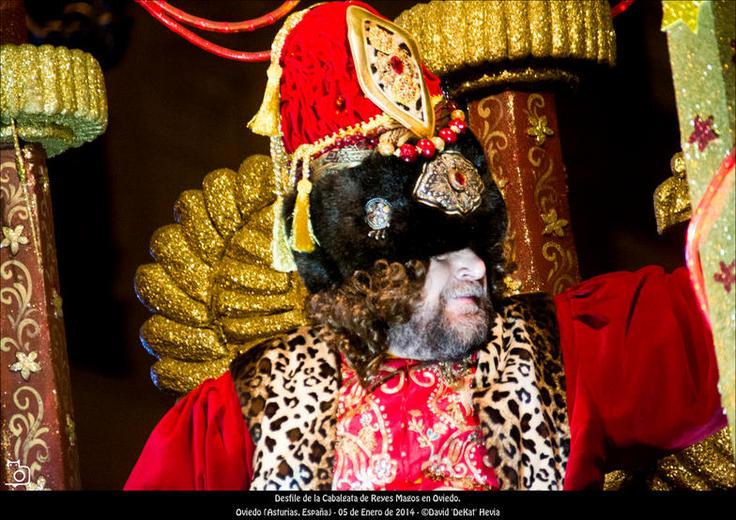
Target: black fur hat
[[416, 231]]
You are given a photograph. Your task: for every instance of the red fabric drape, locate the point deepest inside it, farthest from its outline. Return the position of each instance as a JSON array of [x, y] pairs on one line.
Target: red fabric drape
[[200, 444], [641, 371]]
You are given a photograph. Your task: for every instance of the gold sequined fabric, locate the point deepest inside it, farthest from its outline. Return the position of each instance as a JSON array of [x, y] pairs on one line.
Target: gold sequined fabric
[[707, 465], [211, 288], [468, 41], [55, 95]]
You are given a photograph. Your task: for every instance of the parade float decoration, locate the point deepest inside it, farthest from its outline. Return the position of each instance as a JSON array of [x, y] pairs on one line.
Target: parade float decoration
[[702, 42], [51, 99], [211, 288]]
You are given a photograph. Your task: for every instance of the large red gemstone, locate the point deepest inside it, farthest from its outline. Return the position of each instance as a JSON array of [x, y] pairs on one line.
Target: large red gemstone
[[397, 64], [459, 179]]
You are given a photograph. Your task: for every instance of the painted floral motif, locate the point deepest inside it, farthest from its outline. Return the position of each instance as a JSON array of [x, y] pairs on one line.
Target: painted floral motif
[[430, 440], [553, 225], [26, 364], [538, 128], [703, 132], [727, 275], [39, 485], [13, 238]]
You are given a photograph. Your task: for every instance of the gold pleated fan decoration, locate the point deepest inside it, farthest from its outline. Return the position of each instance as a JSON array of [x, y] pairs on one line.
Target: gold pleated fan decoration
[[479, 44], [212, 289]]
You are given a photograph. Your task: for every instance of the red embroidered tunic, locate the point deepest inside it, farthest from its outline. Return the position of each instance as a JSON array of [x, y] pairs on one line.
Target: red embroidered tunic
[[417, 431], [641, 381]]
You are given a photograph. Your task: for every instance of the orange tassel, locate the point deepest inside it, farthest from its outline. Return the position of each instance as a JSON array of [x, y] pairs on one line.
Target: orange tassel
[[301, 233]]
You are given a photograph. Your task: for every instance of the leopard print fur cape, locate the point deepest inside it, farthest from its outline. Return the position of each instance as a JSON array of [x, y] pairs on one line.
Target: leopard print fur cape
[[288, 388]]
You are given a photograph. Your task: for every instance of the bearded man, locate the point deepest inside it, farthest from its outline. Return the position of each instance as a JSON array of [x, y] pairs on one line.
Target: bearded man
[[415, 373]]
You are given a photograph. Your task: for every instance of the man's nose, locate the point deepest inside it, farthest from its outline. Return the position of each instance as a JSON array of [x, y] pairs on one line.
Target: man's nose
[[467, 265]]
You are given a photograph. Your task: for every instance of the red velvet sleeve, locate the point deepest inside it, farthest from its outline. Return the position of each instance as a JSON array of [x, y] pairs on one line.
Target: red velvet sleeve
[[202, 443], [641, 371]]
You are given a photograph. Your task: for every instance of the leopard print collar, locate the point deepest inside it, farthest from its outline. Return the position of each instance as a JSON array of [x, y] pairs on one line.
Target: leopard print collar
[[288, 394], [519, 396], [288, 389]]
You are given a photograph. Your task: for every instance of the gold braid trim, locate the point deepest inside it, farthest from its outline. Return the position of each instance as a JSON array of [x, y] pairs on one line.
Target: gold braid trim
[[56, 96]]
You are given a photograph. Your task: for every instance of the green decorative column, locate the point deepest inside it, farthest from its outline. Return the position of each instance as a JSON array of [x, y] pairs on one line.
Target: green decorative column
[[702, 44]]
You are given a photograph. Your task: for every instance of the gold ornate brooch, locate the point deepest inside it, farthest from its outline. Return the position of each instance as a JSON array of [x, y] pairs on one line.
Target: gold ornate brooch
[[451, 183]]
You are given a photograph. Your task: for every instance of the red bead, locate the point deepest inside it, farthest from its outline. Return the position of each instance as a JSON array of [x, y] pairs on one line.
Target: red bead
[[447, 135], [426, 148], [408, 153], [458, 125], [339, 142], [373, 141]]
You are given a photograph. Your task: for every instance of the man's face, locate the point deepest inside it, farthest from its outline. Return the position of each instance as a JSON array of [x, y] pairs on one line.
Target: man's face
[[453, 316]]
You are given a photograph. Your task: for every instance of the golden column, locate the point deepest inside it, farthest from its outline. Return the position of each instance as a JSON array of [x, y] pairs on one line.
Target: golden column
[[502, 58], [51, 99]]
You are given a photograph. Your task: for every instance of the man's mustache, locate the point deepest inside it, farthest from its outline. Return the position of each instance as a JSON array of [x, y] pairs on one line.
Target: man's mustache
[[465, 290]]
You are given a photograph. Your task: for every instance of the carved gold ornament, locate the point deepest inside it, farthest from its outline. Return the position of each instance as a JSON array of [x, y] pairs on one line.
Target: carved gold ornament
[[387, 64], [672, 197], [451, 183], [212, 289]]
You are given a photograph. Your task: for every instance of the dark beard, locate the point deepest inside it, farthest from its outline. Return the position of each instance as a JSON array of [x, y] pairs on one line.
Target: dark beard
[[432, 338]]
